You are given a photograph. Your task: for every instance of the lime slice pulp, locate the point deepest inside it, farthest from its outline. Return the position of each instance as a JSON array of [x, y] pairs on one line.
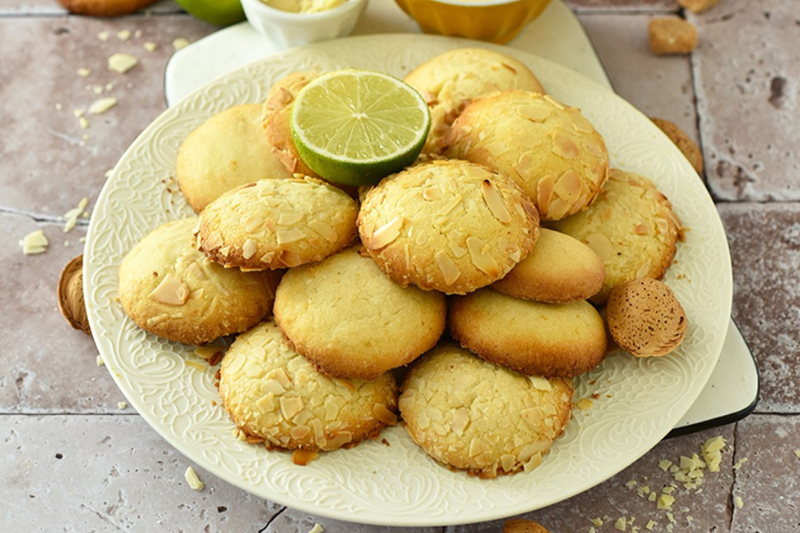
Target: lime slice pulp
[[355, 126]]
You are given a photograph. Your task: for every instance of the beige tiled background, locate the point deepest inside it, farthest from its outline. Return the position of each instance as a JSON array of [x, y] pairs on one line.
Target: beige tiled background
[[72, 460]]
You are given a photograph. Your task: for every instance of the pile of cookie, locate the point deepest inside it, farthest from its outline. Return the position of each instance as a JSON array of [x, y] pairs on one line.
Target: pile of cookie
[[472, 277]]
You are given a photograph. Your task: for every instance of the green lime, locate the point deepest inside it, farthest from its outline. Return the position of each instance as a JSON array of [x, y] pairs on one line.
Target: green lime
[[356, 126], [217, 12]]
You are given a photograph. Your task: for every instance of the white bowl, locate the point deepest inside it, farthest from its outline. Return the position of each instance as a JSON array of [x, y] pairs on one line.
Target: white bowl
[[294, 29]]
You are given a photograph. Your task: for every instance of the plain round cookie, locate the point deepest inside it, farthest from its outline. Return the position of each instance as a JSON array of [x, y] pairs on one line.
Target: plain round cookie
[[645, 318], [172, 290], [631, 226], [520, 525], [273, 393], [351, 320], [276, 223], [685, 144], [276, 119], [534, 338], [227, 150], [548, 148], [559, 269], [451, 226], [449, 81], [477, 416]]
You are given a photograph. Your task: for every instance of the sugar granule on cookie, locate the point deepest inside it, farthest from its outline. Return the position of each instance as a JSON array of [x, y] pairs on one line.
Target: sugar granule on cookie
[[671, 35]]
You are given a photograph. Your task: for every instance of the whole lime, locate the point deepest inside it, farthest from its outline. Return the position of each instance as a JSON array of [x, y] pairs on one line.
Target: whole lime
[[218, 12]]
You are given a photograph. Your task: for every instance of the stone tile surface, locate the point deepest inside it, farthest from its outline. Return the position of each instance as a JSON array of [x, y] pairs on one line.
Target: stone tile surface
[[765, 251], [47, 162], [52, 7], [659, 86], [750, 130], [623, 496], [624, 5], [110, 474], [47, 365], [768, 448]]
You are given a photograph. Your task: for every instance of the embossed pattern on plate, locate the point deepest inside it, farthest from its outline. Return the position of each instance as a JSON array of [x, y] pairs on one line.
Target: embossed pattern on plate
[[638, 401]]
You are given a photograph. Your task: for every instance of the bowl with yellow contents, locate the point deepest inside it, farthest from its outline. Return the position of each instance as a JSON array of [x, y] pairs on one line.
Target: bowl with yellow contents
[[497, 21], [290, 23]]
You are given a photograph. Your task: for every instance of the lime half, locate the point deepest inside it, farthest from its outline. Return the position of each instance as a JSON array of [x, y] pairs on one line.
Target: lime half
[[355, 126]]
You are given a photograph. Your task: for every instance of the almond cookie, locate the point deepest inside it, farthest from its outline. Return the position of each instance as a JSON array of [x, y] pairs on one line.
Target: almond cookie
[[477, 416], [645, 318], [240, 154], [450, 226], [520, 525], [631, 226], [549, 149], [534, 338], [276, 119], [276, 223], [559, 269], [449, 81], [172, 290], [351, 320], [274, 395], [686, 145]]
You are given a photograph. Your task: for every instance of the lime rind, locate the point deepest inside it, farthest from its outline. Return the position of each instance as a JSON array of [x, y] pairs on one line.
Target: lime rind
[[355, 126]]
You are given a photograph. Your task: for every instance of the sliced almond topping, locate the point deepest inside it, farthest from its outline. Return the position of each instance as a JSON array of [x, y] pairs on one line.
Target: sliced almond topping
[[643, 270], [327, 232], [122, 63], [272, 386], [535, 112], [300, 432], [303, 457], [431, 193], [544, 193], [564, 147], [252, 223], [569, 186], [495, 202], [460, 421], [290, 218], [267, 403], [171, 291], [339, 440], [249, 248], [478, 446], [654, 194], [290, 258], [601, 245], [449, 206], [558, 105], [447, 267], [213, 241], [289, 235], [291, 406], [384, 415], [662, 225], [540, 383], [641, 229], [386, 234], [281, 377], [482, 261]]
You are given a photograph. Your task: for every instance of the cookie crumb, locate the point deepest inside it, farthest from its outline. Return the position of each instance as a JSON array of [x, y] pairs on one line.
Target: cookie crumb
[[103, 36], [739, 502], [122, 405], [150, 46], [180, 42], [585, 404], [83, 72], [121, 62], [102, 105], [191, 478], [316, 529], [671, 35], [72, 215], [124, 35], [34, 243], [698, 6], [99, 360]]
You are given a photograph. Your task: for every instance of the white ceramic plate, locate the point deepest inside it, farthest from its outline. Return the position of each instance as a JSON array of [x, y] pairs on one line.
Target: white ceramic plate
[[395, 483]]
